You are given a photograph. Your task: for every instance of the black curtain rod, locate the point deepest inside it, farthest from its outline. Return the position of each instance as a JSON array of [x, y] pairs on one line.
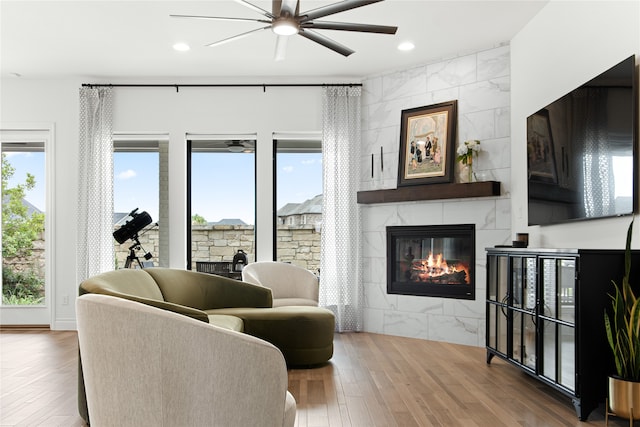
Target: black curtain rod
[[264, 86]]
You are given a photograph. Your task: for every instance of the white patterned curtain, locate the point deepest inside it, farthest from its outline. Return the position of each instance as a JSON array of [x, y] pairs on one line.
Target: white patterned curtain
[[95, 183], [590, 114], [341, 287]]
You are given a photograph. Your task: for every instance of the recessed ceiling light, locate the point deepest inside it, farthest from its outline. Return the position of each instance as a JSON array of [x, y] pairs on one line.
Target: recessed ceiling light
[[181, 47], [406, 46]]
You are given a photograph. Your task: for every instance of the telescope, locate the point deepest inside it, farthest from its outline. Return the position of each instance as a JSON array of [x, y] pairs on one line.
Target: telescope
[[131, 228]]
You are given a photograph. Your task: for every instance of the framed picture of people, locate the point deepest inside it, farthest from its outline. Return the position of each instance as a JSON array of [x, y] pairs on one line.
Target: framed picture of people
[[427, 139]]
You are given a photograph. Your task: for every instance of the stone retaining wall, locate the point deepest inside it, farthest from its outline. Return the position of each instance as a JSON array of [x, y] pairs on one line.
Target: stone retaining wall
[[297, 244]]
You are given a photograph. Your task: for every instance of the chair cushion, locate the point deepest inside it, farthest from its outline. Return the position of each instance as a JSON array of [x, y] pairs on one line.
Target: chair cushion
[[126, 281], [208, 291], [285, 280], [304, 335], [228, 322], [283, 302]]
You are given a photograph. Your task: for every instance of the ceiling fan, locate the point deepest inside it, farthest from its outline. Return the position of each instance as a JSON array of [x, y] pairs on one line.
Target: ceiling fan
[[238, 146], [286, 20]]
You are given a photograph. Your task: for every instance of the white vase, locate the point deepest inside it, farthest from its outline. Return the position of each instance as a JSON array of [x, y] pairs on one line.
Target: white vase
[[465, 173]]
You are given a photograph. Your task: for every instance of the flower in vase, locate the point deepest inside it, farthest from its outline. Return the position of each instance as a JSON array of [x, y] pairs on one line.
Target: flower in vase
[[467, 150]]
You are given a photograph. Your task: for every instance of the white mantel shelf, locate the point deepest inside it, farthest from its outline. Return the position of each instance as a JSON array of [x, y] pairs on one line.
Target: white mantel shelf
[[430, 192]]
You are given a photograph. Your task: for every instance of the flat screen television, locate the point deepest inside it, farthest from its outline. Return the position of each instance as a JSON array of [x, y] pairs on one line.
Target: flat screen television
[[581, 151]]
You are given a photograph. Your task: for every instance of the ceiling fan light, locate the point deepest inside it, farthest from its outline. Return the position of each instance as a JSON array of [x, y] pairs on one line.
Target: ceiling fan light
[[285, 27], [236, 148]]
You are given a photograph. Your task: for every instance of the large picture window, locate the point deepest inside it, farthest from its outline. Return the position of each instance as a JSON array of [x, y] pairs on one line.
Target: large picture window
[[298, 199], [137, 168], [221, 198]]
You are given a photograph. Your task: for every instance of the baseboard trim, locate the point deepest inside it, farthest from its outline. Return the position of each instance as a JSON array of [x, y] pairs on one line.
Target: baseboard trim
[[24, 327]]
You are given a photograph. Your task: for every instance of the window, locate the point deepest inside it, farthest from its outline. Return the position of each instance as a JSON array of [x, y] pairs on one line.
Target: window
[[137, 164], [221, 197], [298, 199], [23, 223]]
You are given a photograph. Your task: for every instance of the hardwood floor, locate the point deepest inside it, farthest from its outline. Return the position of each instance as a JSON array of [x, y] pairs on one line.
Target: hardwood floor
[[372, 380], [38, 378]]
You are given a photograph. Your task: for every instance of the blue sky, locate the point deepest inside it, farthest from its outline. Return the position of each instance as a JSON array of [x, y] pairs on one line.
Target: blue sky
[[135, 183], [33, 163], [223, 184], [299, 177]]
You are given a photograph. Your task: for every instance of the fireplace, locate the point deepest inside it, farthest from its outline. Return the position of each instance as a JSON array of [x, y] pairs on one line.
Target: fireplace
[[431, 260]]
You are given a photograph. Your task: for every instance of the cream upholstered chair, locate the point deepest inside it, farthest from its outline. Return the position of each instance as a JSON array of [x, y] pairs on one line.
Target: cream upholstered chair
[[289, 284], [147, 366]]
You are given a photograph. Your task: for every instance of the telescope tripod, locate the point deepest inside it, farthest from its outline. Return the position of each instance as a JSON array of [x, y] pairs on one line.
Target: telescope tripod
[[132, 254]]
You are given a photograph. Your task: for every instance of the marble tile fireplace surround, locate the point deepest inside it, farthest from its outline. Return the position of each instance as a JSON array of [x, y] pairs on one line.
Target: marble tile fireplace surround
[[431, 260], [480, 82]]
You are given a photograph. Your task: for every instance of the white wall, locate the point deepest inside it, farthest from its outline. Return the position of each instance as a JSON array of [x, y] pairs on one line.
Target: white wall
[[480, 83], [218, 110], [159, 110], [563, 46], [57, 102]]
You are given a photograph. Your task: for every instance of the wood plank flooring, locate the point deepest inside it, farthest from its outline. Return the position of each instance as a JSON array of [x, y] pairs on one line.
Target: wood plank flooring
[[372, 380]]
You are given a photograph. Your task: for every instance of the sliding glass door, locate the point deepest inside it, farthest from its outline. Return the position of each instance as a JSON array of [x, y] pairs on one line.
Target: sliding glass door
[[26, 274]]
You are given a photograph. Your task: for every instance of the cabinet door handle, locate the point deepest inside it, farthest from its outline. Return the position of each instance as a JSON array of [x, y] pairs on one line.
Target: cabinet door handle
[[504, 300]]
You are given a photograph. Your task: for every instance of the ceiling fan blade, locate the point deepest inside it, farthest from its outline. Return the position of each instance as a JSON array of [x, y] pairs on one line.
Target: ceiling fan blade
[[281, 48], [256, 8], [334, 8], [239, 36], [221, 18], [289, 6], [326, 42], [346, 26]]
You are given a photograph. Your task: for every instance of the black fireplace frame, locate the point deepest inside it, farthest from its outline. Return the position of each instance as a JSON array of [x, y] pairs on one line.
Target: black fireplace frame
[[467, 292]]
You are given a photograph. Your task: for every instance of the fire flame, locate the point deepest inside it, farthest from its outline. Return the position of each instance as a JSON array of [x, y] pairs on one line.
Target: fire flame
[[436, 269]]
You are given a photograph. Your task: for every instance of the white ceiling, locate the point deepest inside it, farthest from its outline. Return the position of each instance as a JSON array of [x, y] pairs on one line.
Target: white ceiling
[[100, 39]]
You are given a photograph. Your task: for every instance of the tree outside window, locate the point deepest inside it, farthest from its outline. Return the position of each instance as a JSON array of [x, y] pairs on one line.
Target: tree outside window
[[22, 226]]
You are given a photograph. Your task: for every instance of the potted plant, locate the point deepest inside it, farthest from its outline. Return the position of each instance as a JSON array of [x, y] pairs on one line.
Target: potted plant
[[622, 324]]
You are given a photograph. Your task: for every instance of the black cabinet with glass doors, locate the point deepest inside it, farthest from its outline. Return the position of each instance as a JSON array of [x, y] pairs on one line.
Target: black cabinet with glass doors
[[545, 310]]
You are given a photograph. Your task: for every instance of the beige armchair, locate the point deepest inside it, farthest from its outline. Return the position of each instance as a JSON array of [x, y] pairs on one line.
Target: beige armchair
[[289, 284], [147, 366]]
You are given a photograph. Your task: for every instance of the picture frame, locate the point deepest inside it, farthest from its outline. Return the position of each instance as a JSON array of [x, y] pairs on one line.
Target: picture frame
[[427, 139], [541, 159]]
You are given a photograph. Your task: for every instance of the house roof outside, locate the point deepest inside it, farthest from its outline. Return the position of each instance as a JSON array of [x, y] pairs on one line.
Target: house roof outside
[[228, 221], [31, 209], [310, 206]]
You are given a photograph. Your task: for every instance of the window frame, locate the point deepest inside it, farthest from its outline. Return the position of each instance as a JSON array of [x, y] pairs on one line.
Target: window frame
[[190, 139], [43, 314], [290, 138]]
